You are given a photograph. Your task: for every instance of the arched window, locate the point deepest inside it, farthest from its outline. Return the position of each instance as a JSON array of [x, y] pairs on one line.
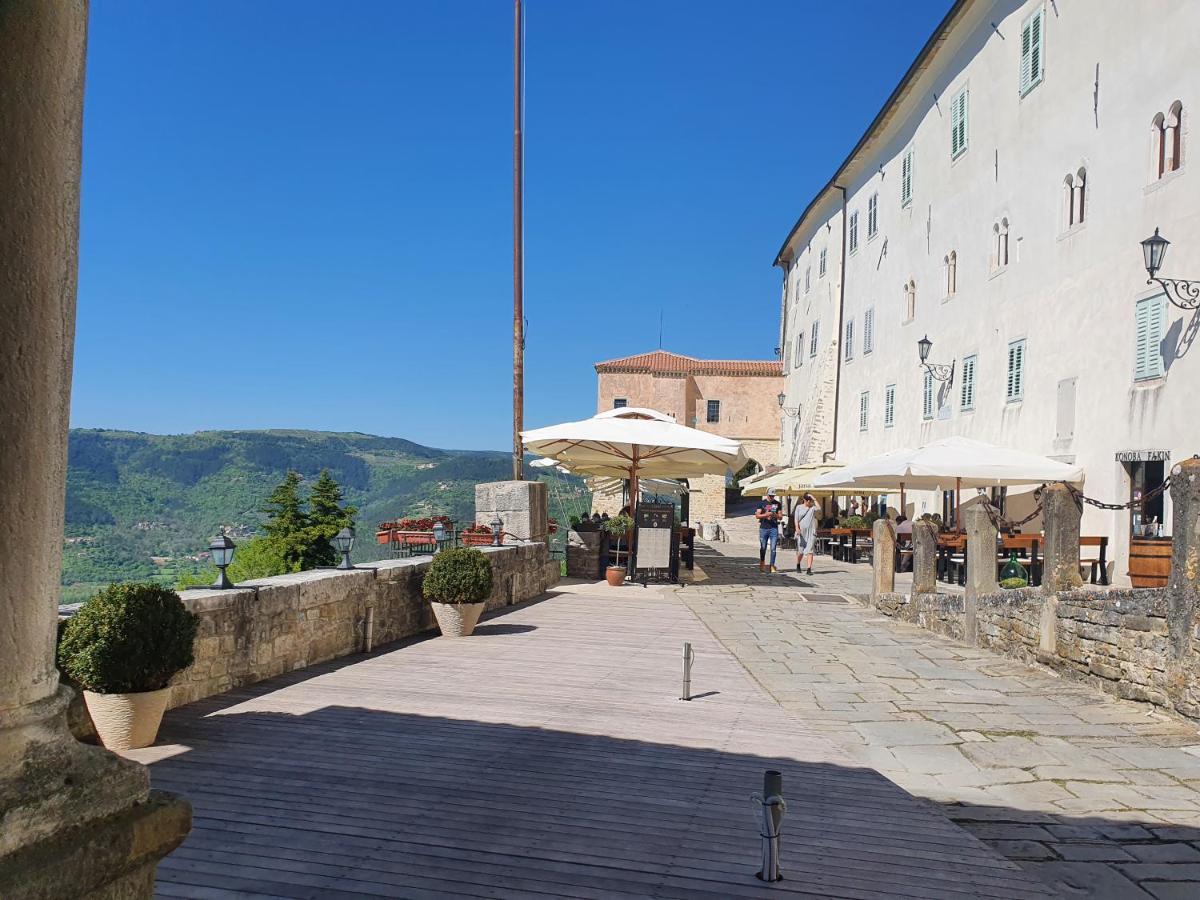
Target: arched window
[[910, 300], [1079, 201], [1158, 145], [1002, 244], [950, 261], [1068, 201], [1174, 137]]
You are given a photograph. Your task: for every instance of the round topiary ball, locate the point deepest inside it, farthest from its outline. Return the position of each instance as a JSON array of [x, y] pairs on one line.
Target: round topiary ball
[[461, 575], [128, 639]]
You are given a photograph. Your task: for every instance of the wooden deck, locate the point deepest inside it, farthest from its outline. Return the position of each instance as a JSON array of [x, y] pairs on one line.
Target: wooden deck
[[546, 756]]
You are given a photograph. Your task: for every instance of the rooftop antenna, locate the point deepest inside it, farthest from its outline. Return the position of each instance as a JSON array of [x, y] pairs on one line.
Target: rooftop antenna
[[660, 328]]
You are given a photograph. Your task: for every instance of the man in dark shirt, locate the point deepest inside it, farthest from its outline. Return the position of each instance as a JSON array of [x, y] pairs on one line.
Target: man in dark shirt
[[768, 514]]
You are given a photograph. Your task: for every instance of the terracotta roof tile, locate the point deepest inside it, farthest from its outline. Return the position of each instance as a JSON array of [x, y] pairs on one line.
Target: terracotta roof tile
[[660, 362]]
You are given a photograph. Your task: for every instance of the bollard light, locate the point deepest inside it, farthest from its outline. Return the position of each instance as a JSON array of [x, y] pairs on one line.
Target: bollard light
[[343, 542], [439, 537], [497, 531], [221, 549]]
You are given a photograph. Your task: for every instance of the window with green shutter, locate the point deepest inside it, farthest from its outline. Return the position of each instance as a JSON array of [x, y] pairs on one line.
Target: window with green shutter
[[1015, 386], [849, 339], [812, 346], [889, 406], [864, 406], [868, 330], [927, 396], [1032, 50], [906, 178], [873, 215], [968, 382], [958, 123], [853, 231], [1150, 324]]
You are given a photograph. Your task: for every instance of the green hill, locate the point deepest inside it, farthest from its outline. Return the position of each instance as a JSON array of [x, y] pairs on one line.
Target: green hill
[[142, 506]]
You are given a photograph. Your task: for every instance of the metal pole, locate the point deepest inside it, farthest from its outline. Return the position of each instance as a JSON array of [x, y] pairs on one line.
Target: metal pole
[[518, 250], [689, 656], [773, 807]]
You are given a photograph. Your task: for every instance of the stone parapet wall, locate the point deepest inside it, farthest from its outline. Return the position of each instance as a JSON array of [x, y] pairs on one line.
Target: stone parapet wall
[[271, 626], [1117, 640]]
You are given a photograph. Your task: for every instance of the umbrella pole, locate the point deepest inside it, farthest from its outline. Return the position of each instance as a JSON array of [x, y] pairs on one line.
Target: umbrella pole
[[903, 502], [958, 503]]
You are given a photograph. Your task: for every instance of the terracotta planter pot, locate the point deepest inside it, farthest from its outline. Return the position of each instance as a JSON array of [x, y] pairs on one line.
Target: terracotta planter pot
[[457, 619], [476, 540], [127, 721], [615, 575]]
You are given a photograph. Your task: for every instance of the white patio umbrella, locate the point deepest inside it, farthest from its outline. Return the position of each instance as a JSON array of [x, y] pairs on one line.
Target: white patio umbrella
[[955, 460], [632, 443], [797, 481]]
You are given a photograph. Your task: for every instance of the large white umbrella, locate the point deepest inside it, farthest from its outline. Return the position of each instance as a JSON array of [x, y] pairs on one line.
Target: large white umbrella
[[953, 461], [797, 481], [631, 443]]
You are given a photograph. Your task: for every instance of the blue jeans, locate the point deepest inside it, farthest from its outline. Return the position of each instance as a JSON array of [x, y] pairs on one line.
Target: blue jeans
[[767, 537]]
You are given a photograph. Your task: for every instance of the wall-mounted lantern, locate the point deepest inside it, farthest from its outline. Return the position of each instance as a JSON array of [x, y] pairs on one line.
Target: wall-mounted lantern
[[1184, 294], [938, 371]]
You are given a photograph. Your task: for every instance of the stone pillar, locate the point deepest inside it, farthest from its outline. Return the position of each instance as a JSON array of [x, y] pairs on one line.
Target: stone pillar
[[522, 506], [925, 553], [981, 565], [1061, 514], [883, 558], [74, 819], [1183, 587]]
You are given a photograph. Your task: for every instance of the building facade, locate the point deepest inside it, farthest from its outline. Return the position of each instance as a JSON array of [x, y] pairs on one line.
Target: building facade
[[996, 205], [733, 398]]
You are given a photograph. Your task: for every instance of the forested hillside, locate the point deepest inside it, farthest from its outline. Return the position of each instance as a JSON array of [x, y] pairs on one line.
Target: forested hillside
[[143, 505]]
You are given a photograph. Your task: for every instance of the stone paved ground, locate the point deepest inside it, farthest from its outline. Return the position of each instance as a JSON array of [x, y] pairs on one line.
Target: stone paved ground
[[1097, 796]]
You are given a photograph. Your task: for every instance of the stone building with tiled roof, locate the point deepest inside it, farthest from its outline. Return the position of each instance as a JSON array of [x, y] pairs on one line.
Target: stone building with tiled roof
[[735, 398]]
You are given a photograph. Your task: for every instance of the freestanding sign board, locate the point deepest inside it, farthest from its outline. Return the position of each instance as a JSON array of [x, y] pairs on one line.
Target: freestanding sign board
[[655, 547]]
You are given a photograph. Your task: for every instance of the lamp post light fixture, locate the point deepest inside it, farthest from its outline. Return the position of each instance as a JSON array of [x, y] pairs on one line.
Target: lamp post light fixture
[[497, 531], [1184, 294], [937, 370], [343, 542], [439, 537], [221, 549], [787, 410]]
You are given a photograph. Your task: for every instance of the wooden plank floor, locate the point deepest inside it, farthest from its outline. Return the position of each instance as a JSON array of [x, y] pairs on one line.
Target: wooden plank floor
[[548, 755]]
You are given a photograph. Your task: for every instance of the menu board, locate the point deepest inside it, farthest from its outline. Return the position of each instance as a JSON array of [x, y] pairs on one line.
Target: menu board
[[654, 525]]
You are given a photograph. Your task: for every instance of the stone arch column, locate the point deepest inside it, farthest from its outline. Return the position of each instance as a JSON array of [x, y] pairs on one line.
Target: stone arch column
[[74, 819]]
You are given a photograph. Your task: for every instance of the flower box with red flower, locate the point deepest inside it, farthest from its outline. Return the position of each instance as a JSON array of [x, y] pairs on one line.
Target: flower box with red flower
[[477, 536]]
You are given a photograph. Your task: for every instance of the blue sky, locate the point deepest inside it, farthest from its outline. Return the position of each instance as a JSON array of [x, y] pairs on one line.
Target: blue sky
[[298, 214]]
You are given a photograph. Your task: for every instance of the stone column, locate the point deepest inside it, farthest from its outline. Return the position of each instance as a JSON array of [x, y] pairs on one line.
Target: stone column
[[1061, 514], [981, 565], [925, 553], [522, 506], [883, 558], [1183, 587], [74, 819]]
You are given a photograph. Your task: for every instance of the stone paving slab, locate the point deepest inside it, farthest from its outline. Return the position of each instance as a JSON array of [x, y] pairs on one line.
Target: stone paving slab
[[548, 755], [1097, 796]]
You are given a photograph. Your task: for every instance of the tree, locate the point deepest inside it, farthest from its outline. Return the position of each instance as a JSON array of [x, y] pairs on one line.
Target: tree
[[287, 525], [326, 516]]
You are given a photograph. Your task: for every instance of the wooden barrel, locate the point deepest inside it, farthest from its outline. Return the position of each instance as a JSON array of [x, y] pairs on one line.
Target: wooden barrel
[[1149, 563]]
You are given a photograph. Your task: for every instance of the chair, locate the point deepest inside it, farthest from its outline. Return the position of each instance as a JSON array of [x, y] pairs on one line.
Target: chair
[[1098, 566]]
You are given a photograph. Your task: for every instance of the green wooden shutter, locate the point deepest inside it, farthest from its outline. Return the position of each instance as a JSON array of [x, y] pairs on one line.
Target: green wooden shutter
[[1032, 50], [868, 330], [927, 399], [1016, 370], [906, 171], [1151, 315], [968, 383], [889, 405], [958, 123]]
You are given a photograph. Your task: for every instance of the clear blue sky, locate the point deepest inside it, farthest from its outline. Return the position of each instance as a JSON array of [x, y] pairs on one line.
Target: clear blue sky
[[298, 214]]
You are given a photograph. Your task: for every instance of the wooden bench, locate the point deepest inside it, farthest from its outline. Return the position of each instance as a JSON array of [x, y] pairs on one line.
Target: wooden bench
[[1098, 566]]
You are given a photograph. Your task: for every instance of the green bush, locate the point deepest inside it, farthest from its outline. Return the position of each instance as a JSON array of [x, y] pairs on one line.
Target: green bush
[[1010, 584], [619, 526], [461, 575], [853, 522], [127, 639]]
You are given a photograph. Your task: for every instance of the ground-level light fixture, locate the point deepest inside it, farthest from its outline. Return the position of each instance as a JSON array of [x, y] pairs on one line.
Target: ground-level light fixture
[[497, 531], [221, 549], [1184, 294], [439, 537], [343, 542], [937, 370]]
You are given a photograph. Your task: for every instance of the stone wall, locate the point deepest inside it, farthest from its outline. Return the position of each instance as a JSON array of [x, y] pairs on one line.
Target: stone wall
[[272, 626], [1115, 640]]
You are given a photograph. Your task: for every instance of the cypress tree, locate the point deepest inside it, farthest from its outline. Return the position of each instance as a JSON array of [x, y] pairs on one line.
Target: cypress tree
[[327, 516]]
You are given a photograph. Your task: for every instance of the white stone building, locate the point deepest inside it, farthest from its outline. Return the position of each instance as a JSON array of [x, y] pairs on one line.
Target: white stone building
[[996, 204]]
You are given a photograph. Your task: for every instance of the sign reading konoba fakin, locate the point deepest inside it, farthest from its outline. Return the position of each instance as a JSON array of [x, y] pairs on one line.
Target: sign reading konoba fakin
[[1143, 455]]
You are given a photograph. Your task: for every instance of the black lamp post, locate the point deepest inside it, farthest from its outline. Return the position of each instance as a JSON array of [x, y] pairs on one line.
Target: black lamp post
[[938, 371], [497, 531], [1184, 294], [343, 542], [221, 549], [787, 410]]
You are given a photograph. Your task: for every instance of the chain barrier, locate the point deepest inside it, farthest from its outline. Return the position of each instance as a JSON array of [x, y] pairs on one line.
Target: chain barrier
[[1100, 504], [1008, 526]]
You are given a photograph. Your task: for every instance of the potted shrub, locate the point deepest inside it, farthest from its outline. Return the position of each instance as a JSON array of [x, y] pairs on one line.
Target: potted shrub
[[618, 528], [122, 648], [456, 586]]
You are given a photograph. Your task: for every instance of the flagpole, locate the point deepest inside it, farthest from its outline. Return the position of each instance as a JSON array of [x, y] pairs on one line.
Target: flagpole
[[518, 251]]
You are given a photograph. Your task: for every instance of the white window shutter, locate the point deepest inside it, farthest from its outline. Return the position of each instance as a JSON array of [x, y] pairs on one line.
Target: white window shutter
[[1025, 55], [868, 330]]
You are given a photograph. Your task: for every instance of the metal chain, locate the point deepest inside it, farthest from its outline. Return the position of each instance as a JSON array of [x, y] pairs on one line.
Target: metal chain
[[1008, 525], [1099, 504]]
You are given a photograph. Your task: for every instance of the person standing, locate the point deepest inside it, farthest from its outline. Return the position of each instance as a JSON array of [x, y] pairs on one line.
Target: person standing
[[806, 532], [768, 514]]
